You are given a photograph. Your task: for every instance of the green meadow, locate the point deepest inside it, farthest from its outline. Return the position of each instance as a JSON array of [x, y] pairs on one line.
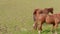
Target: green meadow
[[16, 15]]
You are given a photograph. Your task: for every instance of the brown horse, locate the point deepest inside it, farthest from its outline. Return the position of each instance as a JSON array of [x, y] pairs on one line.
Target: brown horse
[[40, 16], [37, 12], [53, 19]]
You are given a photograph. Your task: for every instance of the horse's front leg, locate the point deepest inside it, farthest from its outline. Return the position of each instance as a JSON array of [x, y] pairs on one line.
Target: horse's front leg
[[56, 25], [52, 29]]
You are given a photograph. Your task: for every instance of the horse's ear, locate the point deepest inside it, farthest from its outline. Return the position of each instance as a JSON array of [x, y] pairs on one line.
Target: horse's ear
[[50, 10]]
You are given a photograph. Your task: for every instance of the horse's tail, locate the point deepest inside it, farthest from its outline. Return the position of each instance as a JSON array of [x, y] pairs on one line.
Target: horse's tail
[[35, 11]]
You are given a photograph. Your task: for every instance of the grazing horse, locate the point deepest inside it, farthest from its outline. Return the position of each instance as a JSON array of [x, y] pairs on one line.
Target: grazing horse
[[39, 16]]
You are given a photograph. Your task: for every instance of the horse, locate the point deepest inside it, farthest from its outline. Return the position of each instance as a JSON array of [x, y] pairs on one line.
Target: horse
[[39, 16], [53, 19], [37, 12]]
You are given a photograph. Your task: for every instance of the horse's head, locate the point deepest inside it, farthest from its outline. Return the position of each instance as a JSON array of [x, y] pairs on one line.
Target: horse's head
[[49, 10]]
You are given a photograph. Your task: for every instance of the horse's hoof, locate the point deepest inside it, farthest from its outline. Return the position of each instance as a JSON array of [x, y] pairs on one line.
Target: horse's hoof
[[55, 33], [34, 27]]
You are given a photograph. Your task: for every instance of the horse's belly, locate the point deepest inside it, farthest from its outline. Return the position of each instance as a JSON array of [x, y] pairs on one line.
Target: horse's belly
[[49, 20]]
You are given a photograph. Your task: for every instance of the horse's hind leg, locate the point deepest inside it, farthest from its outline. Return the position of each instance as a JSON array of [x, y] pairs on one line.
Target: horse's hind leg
[[35, 25], [39, 28]]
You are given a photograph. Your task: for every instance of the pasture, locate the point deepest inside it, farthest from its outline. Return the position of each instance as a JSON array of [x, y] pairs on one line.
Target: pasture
[[16, 15]]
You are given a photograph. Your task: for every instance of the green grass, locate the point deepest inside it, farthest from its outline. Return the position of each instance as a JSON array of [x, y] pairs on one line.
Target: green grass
[[16, 15]]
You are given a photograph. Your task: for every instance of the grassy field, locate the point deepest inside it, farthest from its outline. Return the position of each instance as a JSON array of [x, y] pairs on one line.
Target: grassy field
[[16, 15]]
